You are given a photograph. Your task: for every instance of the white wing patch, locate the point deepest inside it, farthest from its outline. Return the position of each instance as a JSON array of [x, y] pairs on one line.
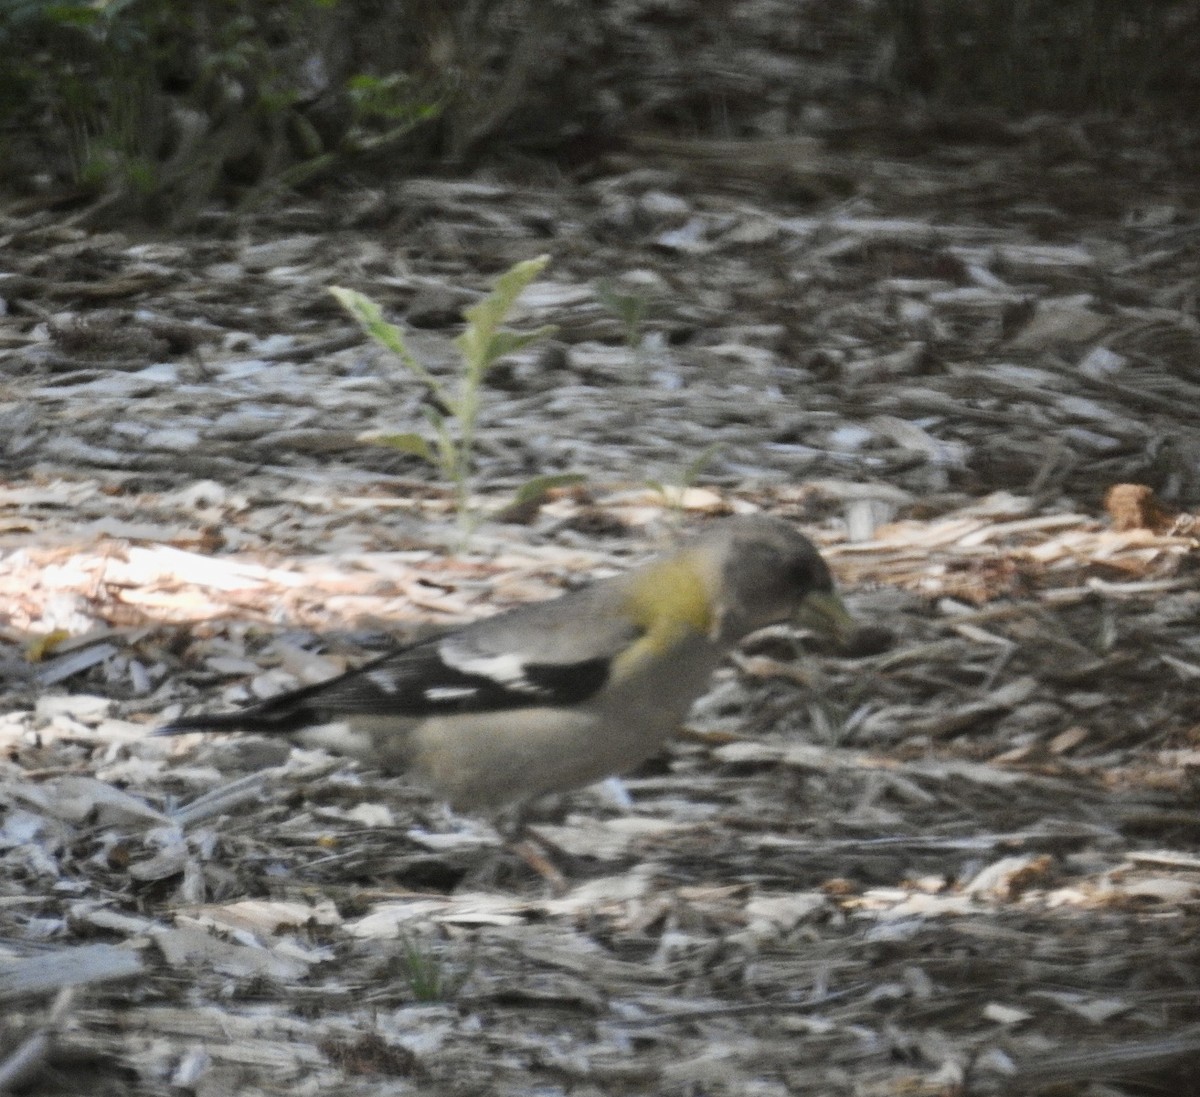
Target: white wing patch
[[449, 693], [505, 668], [384, 679]]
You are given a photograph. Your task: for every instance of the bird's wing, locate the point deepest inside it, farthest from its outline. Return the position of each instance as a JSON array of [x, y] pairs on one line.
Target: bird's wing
[[516, 659]]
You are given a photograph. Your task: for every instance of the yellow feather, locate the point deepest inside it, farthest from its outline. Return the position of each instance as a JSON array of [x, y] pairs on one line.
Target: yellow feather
[[667, 603]]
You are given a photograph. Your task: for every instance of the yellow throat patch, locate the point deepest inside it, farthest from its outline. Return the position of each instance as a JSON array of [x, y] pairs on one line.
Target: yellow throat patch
[[665, 602]]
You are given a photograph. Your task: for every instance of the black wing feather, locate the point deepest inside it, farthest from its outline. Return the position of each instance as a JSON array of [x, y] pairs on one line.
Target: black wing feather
[[414, 682]]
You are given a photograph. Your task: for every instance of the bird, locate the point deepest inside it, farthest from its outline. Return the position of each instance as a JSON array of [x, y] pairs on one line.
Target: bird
[[555, 695]]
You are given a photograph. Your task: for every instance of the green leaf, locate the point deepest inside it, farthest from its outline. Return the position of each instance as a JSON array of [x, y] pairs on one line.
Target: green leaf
[[501, 343], [630, 308], [540, 486], [408, 442], [370, 318], [693, 469], [485, 317], [79, 15], [447, 450]]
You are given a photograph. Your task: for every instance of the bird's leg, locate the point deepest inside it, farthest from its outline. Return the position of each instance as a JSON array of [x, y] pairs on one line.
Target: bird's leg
[[512, 825], [534, 855]]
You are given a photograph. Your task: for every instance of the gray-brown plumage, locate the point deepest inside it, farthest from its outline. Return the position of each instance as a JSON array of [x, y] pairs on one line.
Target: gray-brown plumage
[[555, 695]]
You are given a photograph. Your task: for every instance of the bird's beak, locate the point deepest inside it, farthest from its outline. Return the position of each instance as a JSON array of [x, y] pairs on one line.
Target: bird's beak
[[823, 612]]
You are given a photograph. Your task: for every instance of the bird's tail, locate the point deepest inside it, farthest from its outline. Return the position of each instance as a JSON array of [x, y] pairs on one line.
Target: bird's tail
[[282, 715]]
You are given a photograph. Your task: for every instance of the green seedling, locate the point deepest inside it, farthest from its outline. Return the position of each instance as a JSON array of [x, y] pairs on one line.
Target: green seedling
[[630, 308], [673, 489], [430, 975], [453, 412]]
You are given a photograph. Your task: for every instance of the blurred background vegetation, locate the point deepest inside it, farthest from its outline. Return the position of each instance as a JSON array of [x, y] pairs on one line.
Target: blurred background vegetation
[[157, 107]]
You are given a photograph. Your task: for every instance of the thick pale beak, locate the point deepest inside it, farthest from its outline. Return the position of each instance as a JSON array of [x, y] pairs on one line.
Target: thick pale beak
[[823, 612]]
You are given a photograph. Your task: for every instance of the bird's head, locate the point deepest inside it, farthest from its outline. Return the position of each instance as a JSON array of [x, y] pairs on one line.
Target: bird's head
[[772, 574]]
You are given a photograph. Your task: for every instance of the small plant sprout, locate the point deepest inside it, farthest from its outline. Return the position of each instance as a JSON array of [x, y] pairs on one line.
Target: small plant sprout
[[630, 308], [674, 488], [430, 975], [454, 411]]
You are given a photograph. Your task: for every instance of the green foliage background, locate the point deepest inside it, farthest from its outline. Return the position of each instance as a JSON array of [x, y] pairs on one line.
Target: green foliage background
[[160, 106]]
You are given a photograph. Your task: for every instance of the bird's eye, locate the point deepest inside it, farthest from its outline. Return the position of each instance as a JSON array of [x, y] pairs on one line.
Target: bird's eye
[[799, 574], [809, 573]]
